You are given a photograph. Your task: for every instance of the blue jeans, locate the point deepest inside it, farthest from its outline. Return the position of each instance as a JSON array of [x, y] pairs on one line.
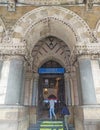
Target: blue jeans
[[52, 113]]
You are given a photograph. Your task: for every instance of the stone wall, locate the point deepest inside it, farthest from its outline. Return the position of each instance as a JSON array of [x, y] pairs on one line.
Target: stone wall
[[14, 118]]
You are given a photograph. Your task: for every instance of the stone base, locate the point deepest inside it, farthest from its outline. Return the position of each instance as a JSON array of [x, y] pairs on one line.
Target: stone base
[[71, 116], [87, 117], [14, 118], [33, 115]]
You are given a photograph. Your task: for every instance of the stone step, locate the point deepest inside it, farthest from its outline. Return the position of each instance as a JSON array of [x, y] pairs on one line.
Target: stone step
[[50, 125]]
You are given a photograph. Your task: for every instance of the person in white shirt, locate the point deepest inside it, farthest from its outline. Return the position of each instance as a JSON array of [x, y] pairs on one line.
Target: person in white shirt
[[51, 110]]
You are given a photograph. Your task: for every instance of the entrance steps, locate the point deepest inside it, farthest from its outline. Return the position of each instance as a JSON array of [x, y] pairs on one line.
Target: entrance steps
[[50, 125]]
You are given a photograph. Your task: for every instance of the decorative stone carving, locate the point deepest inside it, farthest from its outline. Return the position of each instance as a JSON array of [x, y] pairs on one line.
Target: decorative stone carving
[[90, 4], [85, 50], [10, 49], [6, 38], [92, 48], [54, 13], [50, 2], [11, 5]]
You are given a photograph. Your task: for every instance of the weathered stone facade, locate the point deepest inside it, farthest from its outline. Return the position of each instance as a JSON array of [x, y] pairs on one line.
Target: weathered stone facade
[[25, 30]]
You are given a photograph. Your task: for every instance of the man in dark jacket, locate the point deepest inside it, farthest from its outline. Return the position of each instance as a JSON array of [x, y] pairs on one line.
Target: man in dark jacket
[[65, 112]]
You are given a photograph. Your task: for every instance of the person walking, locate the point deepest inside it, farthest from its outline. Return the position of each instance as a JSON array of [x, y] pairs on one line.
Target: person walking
[[65, 113], [51, 109]]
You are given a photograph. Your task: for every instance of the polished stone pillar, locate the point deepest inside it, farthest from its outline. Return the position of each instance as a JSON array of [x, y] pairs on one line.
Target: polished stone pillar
[[96, 77], [67, 89], [1, 64], [35, 90], [87, 84], [15, 81], [4, 71]]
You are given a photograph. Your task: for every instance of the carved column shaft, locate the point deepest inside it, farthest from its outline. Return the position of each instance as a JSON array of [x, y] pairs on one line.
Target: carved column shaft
[[28, 88], [35, 90], [75, 87], [4, 70], [67, 89]]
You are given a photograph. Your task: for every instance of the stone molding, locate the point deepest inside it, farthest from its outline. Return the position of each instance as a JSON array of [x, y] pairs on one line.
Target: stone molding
[[91, 50], [10, 49], [35, 76], [50, 2], [87, 49]]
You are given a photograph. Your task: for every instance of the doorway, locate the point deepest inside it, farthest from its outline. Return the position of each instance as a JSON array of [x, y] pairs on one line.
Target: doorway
[[51, 85]]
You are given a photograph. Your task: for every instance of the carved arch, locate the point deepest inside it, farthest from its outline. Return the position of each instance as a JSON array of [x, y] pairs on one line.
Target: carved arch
[[65, 17], [47, 58]]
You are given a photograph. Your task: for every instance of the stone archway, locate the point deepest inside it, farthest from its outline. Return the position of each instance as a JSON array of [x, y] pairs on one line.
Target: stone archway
[[60, 52], [43, 21], [51, 21]]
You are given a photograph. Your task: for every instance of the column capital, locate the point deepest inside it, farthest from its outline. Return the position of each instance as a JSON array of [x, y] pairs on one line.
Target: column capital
[[35, 75], [90, 50], [13, 49], [29, 75], [87, 49], [10, 57]]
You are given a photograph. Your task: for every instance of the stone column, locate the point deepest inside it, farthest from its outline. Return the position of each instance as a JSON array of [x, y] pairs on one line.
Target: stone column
[[67, 89], [72, 91], [1, 64], [28, 88], [87, 84], [75, 87], [4, 70], [15, 80], [96, 77], [35, 90]]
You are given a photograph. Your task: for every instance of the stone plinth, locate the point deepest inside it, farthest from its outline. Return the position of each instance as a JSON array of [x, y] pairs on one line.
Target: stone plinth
[[33, 115], [14, 118], [87, 117]]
